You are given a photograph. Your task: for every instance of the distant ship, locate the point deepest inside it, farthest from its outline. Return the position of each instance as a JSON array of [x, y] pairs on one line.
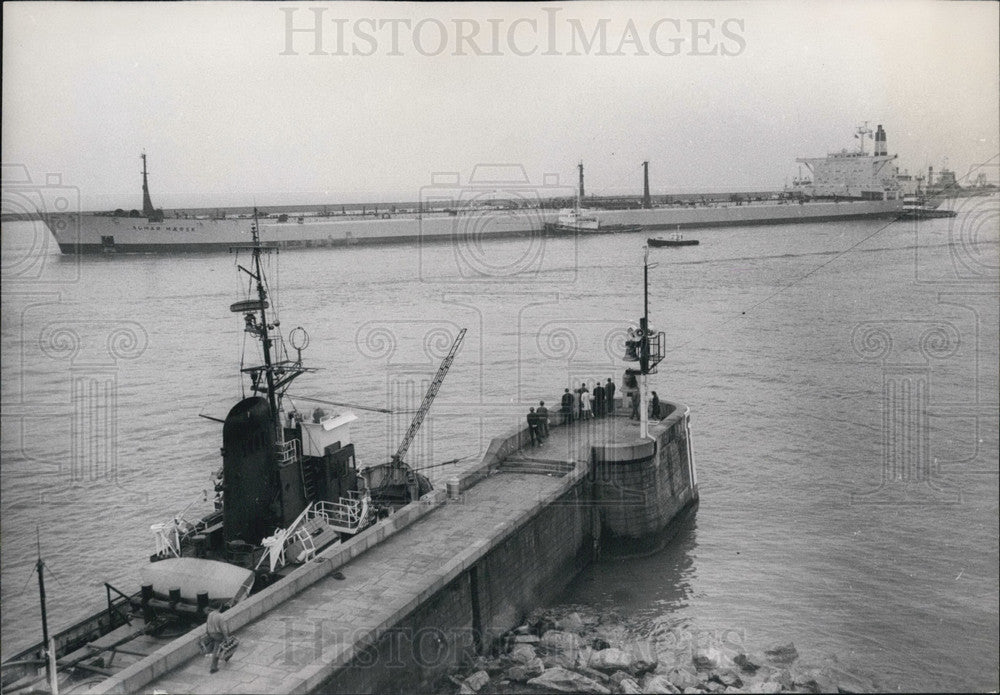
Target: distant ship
[[846, 185]]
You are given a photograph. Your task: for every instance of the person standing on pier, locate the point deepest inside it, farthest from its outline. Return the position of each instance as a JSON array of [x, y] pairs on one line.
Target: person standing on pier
[[533, 426], [218, 634], [609, 396], [567, 406], [634, 415], [543, 420], [598, 400], [586, 404], [584, 398], [654, 407]]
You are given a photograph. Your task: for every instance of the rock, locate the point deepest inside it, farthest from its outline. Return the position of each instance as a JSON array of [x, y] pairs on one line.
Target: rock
[[565, 681], [766, 688], [644, 657], [726, 677], [713, 687], [783, 678], [712, 658], [731, 689], [658, 684], [559, 641], [692, 691], [746, 663], [476, 681], [523, 672], [682, 678], [592, 673], [629, 687], [571, 623], [617, 677], [611, 659], [526, 639], [465, 690], [522, 654], [559, 659], [491, 666], [522, 630], [599, 643], [782, 654]]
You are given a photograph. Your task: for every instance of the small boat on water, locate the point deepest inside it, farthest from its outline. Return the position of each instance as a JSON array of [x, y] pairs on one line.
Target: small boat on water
[[673, 240], [289, 487], [916, 207]]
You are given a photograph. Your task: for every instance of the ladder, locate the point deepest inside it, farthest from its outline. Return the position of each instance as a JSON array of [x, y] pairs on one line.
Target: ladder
[[432, 390]]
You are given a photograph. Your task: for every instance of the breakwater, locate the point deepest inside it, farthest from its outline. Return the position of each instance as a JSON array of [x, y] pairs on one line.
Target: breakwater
[[400, 606]]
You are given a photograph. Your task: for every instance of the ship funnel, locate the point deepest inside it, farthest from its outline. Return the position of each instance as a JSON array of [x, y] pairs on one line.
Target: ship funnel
[[646, 203], [580, 167], [881, 149]]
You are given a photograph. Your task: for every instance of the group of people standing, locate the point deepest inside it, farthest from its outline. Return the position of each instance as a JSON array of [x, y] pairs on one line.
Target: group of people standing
[[585, 404], [538, 423]]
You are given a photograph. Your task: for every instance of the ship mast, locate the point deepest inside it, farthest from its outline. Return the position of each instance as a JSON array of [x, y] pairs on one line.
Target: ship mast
[[265, 338], [277, 373], [147, 203]]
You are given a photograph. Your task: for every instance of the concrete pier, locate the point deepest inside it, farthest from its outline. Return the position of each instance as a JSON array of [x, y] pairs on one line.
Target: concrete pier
[[394, 610]]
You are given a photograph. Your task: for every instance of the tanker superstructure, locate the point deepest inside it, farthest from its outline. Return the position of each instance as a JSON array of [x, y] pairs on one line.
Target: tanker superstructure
[[845, 185], [853, 174]]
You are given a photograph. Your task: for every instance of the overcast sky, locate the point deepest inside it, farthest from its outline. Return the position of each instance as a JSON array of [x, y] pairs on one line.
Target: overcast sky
[[234, 109]]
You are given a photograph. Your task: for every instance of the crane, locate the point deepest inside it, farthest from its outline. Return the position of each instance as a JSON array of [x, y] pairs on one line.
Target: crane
[[432, 390]]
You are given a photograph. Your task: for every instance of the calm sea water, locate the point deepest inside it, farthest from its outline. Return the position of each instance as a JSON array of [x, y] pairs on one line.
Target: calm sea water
[[842, 379]]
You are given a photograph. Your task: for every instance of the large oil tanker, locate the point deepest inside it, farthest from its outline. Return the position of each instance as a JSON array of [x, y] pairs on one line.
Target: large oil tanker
[[844, 185]]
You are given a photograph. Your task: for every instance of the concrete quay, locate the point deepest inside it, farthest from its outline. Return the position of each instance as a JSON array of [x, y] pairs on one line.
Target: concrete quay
[[395, 607]]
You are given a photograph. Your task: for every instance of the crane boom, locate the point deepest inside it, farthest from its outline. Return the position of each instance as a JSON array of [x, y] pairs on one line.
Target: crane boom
[[432, 390]]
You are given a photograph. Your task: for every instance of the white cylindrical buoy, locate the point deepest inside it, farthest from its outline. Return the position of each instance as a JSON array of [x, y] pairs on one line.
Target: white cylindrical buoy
[[454, 488]]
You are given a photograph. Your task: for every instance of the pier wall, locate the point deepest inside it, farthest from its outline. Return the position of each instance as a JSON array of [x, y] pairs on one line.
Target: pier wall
[[640, 487], [491, 590]]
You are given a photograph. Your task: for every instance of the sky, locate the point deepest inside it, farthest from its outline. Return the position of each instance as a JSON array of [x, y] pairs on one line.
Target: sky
[[284, 103]]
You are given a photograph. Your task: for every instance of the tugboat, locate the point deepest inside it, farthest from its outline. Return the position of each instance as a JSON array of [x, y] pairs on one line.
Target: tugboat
[[916, 207], [289, 487], [673, 240]]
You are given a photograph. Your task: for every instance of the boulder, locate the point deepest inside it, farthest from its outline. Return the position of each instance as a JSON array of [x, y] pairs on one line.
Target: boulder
[[523, 672], [559, 659], [565, 681], [713, 687], [522, 630], [712, 658], [559, 641], [526, 639], [726, 677], [692, 691], [522, 653], [629, 687], [658, 684], [682, 678], [571, 623], [611, 659], [782, 654], [746, 663], [783, 678], [617, 677], [644, 657], [476, 681], [765, 688]]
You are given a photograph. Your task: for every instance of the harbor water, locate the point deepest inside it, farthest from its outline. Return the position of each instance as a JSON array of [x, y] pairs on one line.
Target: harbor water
[[842, 379]]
